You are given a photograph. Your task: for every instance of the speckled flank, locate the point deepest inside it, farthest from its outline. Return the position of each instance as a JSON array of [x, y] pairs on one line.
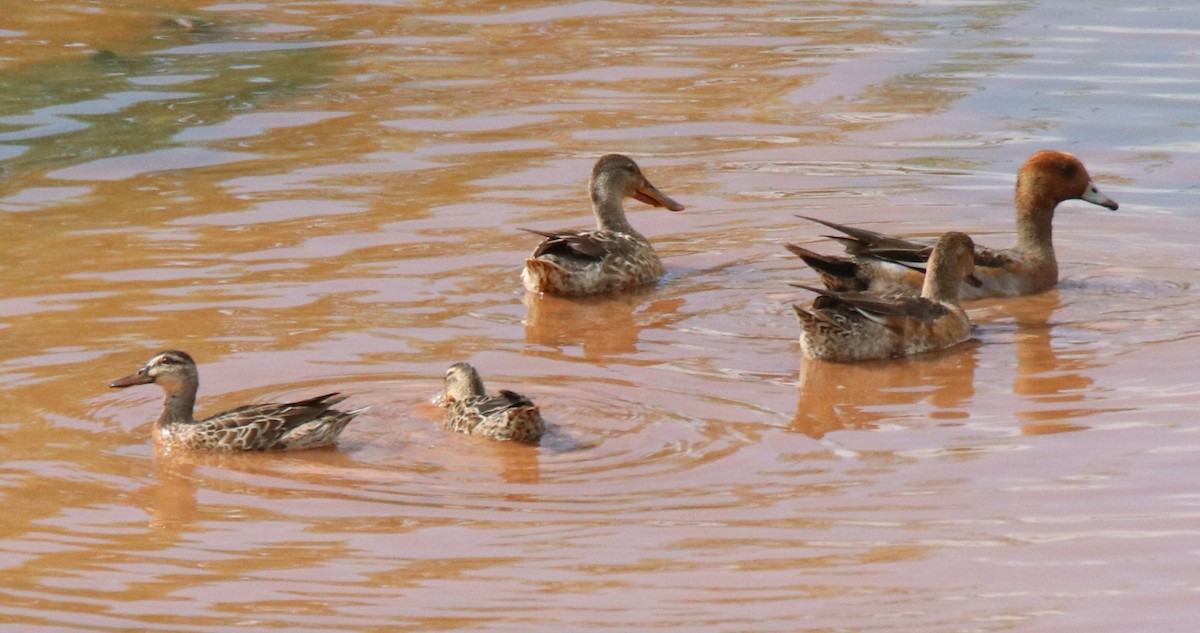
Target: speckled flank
[[507, 416], [629, 261], [264, 427], [296, 425], [612, 258]]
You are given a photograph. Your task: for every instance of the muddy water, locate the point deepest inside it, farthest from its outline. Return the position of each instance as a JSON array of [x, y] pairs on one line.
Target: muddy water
[[317, 196]]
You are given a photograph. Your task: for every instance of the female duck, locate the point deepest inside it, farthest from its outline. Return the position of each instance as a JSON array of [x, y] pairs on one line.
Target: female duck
[[885, 264], [257, 427], [612, 258], [507, 416], [853, 326]]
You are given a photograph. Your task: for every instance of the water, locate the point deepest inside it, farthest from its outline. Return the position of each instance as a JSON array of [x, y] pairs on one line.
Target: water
[[320, 196]]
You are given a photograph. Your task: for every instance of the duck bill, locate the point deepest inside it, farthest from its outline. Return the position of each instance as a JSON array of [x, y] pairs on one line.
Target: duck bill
[[973, 280], [1093, 195], [650, 194], [138, 378]]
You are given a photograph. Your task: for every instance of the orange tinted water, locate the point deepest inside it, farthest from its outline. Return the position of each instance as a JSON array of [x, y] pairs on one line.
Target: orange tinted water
[[318, 196]]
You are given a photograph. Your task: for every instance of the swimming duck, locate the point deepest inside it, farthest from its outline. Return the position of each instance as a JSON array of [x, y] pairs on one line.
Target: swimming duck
[[853, 326], [885, 264], [612, 258], [507, 416], [257, 427]]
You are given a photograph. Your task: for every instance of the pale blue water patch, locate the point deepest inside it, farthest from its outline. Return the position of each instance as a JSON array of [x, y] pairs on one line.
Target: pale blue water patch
[[246, 48], [238, 6], [35, 198], [168, 80], [124, 167], [281, 28], [39, 127], [624, 73], [486, 148], [714, 129], [236, 48], [550, 13], [55, 119], [278, 211], [316, 177], [482, 123], [38, 304], [253, 124], [12, 151]]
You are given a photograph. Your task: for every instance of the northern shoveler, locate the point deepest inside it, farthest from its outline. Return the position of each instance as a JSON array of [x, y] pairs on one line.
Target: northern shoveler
[[612, 258], [853, 326]]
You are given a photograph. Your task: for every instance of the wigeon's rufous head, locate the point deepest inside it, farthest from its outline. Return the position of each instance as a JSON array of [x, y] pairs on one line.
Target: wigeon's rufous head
[[1049, 177]]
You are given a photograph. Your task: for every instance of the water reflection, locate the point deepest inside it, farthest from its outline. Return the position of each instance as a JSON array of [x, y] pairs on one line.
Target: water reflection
[[1049, 379], [835, 396], [345, 183], [603, 327]]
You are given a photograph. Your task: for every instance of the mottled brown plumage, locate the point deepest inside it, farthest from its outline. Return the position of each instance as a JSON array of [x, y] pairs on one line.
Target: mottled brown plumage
[[612, 258], [854, 326], [505, 416], [885, 264], [258, 427]]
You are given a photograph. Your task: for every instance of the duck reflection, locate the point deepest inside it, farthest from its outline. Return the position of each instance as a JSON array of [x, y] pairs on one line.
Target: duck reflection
[[1046, 378], [170, 502], [601, 326], [836, 396]]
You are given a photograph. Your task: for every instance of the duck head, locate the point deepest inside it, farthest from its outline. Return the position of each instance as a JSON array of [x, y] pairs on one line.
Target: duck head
[[617, 175], [462, 382], [171, 370], [1050, 177]]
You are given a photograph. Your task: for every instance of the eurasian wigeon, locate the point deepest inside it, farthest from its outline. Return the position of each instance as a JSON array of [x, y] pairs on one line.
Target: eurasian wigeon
[[886, 264]]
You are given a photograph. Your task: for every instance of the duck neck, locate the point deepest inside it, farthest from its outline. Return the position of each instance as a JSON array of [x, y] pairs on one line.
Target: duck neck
[[610, 211], [178, 405], [940, 284], [1035, 231]]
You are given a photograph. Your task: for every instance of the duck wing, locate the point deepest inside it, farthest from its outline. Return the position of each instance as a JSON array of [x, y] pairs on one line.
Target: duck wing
[[877, 307], [274, 419], [861, 241], [573, 244], [503, 401]]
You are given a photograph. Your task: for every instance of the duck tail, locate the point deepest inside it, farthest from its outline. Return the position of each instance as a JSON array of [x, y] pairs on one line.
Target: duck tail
[[837, 273], [538, 273]]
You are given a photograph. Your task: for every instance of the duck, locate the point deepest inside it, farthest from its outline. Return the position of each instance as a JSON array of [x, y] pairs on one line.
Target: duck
[[304, 424], [856, 326], [507, 416], [612, 258], [885, 264]]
